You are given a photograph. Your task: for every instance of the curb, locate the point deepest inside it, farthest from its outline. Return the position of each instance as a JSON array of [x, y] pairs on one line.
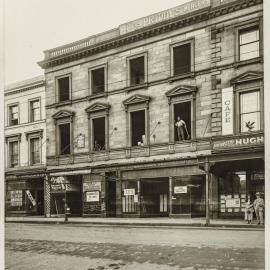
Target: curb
[[145, 225]]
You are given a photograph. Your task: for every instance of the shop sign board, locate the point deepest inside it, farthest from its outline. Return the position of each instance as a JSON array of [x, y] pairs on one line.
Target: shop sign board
[[165, 15], [81, 141], [57, 183], [129, 191], [30, 197], [16, 198], [180, 189], [92, 196], [232, 202], [92, 186], [227, 111], [242, 141]]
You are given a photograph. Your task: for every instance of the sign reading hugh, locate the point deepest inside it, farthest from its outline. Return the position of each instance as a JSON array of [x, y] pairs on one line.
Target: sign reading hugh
[[129, 191], [92, 196]]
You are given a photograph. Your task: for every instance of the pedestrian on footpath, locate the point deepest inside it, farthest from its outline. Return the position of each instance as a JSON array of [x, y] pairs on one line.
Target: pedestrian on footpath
[[249, 211], [259, 208]]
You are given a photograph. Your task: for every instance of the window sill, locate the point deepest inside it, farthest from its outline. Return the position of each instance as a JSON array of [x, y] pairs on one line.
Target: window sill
[[98, 95], [136, 87], [248, 62], [181, 77], [63, 103]]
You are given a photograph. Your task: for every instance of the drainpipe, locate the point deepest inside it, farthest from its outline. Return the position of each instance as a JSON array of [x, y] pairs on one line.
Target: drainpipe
[[206, 168]]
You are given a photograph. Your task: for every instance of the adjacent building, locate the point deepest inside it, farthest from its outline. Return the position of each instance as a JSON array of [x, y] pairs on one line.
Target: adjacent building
[[25, 147], [161, 116]]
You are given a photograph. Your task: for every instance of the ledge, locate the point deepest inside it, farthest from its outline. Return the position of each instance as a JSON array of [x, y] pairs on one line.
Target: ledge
[[136, 87], [248, 62], [98, 95], [59, 104], [181, 77]]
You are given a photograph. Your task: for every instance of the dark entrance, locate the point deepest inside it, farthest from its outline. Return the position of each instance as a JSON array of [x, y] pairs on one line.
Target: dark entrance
[[154, 197], [111, 198]]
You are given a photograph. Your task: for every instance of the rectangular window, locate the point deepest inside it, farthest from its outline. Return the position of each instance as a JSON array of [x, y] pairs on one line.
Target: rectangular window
[[137, 119], [63, 88], [64, 132], [250, 111], [182, 121], [34, 110], [137, 71], [99, 142], [34, 151], [182, 59], [14, 154], [98, 80], [13, 115], [249, 43]]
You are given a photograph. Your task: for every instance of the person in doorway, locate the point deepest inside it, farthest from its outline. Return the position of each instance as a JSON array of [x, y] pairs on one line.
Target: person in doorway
[[249, 211], [181, 125], [259, 208], [97, 147]]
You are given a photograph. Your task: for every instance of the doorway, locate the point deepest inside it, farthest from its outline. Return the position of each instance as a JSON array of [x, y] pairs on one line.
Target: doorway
[[154, 197], [111, 198]]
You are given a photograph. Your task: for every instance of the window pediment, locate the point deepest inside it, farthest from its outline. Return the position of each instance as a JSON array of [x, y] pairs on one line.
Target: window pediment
[[247, 76], [13, 137], [181, 90], [63, 114], [136, 99], [98, 107]]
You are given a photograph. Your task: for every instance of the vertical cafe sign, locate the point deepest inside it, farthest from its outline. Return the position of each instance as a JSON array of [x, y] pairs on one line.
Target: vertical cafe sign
[[227, 111]]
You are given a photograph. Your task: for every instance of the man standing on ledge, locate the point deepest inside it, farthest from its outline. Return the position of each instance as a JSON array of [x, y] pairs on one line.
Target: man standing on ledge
[[180, 124]]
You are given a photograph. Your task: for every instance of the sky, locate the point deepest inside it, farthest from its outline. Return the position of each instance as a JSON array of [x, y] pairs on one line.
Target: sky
[[32, 26]]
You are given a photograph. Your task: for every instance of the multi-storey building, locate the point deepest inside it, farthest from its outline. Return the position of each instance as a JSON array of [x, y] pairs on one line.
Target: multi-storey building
[[161, 116], [25, 151]]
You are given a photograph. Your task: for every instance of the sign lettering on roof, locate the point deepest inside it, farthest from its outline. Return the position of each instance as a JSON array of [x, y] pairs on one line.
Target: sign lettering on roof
[[164, 15]]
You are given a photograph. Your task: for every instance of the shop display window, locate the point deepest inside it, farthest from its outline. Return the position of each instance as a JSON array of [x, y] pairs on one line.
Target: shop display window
[[129, 196]]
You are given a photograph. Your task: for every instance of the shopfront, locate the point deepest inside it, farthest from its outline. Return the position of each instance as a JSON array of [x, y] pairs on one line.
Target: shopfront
[[66, 189], [25, 196]]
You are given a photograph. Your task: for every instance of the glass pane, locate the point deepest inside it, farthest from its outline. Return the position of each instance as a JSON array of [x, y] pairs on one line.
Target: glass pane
[[250, 102], [35, 104], [36, 114], [249, 36], [249, 51], [250, 122]]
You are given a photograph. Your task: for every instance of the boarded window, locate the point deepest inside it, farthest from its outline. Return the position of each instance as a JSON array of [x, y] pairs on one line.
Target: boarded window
[[34, 110], [249, 43], [14, 154], [138, 128], [98, 80], [182, 59], [13, 115], [64, 89], [137, 71], [64, 131], [99, 134], [34, 151], [182, 121]]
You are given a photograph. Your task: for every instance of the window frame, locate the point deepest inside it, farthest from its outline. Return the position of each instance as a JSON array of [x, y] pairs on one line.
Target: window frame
[[30, 116], [132, 57], [36, 134], [192, 60], [9, 106], [242, 27], [61, 123], [90, 80], [11, 139], [57, 99]]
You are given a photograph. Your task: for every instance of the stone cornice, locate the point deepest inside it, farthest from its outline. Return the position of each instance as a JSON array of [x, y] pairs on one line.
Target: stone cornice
[[146, 32]]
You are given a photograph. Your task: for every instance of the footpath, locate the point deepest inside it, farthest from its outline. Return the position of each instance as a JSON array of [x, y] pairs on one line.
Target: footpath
[[139, 222]]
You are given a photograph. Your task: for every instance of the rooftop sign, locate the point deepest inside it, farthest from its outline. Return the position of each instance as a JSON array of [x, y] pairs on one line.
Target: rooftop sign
[[164, 15]]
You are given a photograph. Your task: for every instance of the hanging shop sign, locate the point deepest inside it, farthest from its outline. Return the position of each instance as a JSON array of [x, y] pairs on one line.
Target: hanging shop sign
[[129, 191], [180, 189], [232, 202], [242, 141], [30, 197], [227, 111], [165, 15], [92, 196], [16, 198]]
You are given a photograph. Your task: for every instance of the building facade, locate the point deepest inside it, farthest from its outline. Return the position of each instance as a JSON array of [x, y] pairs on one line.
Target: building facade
[[161, 116], [25, 147]]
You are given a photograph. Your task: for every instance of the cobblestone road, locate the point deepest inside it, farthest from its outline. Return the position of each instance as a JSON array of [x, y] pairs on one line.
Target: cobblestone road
[[97, 248]]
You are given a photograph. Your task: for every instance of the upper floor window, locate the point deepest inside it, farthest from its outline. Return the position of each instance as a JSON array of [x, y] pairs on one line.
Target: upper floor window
[[138, 128], [182, 120], [34, 110], [98, 80], [64, 138], [99, 138], [182, 58], [64, 88], [137, 71], [34, 151], [249, 43], [250, 111], [13, 154], [13, 115]]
